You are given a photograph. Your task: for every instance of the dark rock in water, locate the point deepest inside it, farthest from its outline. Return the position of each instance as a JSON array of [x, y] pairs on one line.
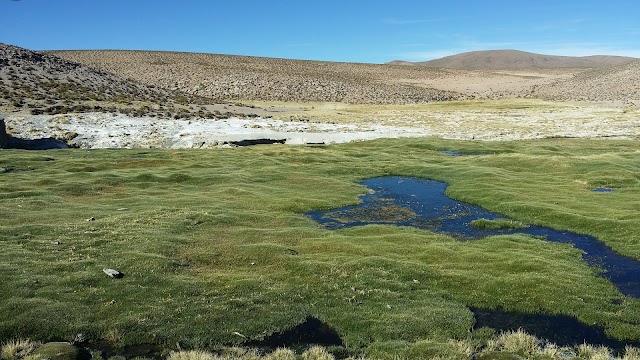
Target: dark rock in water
[[61, 351], [311, 332], [115, 274], [37, 144]]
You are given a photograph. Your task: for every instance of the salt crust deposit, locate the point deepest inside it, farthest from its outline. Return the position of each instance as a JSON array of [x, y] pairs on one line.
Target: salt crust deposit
[[97, 130], [100, 130]]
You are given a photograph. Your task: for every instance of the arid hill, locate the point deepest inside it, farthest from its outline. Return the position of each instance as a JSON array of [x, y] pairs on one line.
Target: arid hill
[[615, 83], [44, 84], [169, 82], [514, 59], [228, 77]]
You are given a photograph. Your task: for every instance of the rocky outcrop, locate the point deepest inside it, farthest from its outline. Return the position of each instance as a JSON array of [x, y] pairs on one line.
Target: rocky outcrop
[[4, 138]]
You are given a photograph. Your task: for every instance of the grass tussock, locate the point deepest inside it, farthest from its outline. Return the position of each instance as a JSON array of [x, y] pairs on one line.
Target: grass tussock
[[502, 346], [18, 349], [496, 224], [515, 342]]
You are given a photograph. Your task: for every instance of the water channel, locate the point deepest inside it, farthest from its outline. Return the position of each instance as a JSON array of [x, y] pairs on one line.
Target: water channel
[[422, 203]]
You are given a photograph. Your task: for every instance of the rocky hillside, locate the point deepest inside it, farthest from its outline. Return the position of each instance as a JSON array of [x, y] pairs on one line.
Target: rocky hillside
[[45, 84], [517, 60], [616, 83], [227, 77]]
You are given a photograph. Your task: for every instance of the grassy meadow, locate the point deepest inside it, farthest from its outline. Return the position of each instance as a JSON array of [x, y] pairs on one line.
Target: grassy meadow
[[216, 251]]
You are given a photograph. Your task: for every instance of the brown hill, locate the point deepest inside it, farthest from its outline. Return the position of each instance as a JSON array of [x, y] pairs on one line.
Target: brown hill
[[614, 83], [514, 59], [41, 83], [228, 77]]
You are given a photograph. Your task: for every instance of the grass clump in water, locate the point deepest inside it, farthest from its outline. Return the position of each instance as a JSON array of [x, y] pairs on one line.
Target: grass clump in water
[[496, 224]]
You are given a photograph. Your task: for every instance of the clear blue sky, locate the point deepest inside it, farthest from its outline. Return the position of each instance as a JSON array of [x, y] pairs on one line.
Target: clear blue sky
[[373, 31]]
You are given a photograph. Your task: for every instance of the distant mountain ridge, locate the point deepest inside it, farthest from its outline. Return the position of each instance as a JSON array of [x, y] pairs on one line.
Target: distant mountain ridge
[[517, 60]]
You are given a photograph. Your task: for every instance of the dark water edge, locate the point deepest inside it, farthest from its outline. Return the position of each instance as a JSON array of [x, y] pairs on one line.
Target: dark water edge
[[422, 203], [561, 330], [456, 154]]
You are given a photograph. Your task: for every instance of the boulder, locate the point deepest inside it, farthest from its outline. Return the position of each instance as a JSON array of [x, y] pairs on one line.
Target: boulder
[[4, 138]]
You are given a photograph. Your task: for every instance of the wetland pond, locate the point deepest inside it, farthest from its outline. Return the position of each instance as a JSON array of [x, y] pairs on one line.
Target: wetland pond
[[422, 203]]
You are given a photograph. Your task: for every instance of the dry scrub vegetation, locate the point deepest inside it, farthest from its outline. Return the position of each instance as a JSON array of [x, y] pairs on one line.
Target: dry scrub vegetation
[[44, 84], [227, 77], [615, 83], [231, 77]]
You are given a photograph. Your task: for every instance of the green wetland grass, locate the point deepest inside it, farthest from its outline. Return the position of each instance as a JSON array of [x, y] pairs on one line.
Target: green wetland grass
[[216, 251]]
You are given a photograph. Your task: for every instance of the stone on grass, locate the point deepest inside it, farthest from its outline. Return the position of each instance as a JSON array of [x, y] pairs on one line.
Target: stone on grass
[[115, 274]]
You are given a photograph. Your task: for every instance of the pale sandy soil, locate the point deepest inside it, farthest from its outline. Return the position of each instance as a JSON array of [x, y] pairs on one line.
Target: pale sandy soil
[[492, 84]]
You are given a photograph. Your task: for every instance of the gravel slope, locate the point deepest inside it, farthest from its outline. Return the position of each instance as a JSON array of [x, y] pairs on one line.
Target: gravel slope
[[42, 83], [619, 83], [231, 77]]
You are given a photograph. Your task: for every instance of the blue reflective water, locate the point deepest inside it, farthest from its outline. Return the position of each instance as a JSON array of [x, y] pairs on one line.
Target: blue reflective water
[[602, 190], [455, 153], [423, 204]]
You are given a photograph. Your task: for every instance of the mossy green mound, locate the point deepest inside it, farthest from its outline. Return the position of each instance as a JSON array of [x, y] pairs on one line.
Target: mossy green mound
[[496, 224], [57, 351]]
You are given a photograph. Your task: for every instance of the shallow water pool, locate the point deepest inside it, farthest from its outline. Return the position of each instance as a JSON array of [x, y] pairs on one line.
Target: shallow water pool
[[422, 203]]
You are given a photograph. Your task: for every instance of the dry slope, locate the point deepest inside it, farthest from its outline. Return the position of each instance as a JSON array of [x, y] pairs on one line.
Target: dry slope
[[615, 83], [40, 83], [231, 77]]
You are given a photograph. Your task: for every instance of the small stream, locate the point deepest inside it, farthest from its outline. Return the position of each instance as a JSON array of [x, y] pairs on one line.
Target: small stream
[[422, 203]]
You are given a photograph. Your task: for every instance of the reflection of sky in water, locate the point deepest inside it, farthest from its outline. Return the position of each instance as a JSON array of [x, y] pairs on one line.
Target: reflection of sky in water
[[455, 153], [602, 190], [426, 206]]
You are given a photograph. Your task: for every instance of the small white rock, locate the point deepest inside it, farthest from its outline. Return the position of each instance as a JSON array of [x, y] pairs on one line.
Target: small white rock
[[115, 274]]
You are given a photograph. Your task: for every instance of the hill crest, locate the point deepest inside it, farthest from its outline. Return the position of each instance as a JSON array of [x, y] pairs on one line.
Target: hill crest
[[516, 59]]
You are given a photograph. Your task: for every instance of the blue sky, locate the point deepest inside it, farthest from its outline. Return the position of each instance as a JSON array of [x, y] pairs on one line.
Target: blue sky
[[357, 31]]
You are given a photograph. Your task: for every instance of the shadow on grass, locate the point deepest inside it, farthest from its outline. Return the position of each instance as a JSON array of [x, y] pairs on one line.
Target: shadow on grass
[[310, 332], [559, 329]]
